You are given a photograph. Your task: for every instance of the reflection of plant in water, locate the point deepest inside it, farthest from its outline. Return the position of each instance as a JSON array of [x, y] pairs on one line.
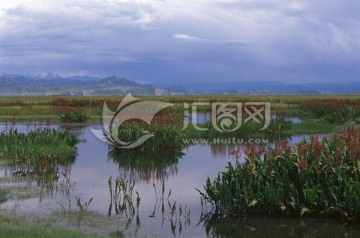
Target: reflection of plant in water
[[76, 129], [176, 215], [59, 182], [218, 225], [122, 197], [83, 206], [146, 165], [64, 186], [124, 201]]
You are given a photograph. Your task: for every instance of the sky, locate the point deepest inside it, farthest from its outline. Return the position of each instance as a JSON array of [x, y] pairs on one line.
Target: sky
[[168, 42]]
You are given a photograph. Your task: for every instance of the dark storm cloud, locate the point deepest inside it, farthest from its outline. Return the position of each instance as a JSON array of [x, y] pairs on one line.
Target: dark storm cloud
[[183, 41]]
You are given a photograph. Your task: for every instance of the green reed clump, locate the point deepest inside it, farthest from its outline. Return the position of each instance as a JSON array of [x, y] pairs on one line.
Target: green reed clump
[[74, 117], [163, 135], [280, 123], [38, 151], [317, 177]]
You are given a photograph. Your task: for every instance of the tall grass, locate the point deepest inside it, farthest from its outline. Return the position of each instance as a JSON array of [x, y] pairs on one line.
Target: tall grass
[[317, 177]]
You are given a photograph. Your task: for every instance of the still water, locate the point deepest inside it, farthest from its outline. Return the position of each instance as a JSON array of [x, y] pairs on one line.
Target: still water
[[181, 174]]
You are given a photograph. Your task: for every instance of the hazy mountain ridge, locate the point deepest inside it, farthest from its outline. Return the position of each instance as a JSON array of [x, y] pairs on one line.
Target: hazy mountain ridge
[[53, 84]]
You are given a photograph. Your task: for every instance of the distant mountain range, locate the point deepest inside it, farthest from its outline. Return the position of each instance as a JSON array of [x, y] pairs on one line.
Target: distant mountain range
[[53, 84]]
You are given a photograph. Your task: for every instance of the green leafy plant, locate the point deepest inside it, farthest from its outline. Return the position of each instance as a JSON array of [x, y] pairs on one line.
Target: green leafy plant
[[317, 177]]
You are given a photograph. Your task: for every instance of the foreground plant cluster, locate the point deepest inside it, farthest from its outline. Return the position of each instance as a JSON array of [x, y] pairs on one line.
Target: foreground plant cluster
[[39, 151], [316, 177]]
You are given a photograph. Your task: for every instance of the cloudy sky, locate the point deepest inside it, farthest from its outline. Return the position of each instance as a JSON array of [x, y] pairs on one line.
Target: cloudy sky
[[183, 41]]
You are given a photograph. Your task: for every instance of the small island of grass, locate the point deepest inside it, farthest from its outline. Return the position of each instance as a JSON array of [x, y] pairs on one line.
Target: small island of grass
[[38, 151]]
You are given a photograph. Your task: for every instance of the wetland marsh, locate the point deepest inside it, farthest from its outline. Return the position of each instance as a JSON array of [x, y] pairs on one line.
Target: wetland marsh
[[157, 193]]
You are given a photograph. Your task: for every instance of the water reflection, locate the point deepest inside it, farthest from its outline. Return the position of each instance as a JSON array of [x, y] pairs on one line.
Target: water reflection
[[78, 130], [27, 186], [270, 226], [146, 165]]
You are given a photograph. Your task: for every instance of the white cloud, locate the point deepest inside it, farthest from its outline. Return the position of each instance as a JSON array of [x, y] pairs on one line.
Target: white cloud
[[186, 37]]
